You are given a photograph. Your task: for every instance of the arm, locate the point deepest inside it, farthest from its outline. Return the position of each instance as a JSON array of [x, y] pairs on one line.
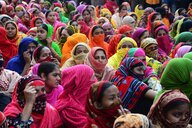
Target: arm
[[27, 58], [150, 94]]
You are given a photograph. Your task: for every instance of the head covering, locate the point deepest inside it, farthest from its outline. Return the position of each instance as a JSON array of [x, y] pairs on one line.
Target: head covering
[[188, 55], [111, 5], [103, 118], [126, 39], [124, 28], [128, 82], [183, 37], [149, 25], [32, 30], [177, 76], [105, 11], [80, 8], [33, 20], [5, 16], [137, 35], [132, 120], [138, 12], [157, 115], [108, 33], [17, 63], [128, 20], [182, 51], [43, 114], [148, 41], [71, 103], [144, 19], [186, 25]]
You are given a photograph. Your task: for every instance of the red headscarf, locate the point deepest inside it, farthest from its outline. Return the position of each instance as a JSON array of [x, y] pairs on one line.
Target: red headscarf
[[71, 103], [8, 49], [123, 29], [33, 20], [111, 5], [149, 25], [47, 117]]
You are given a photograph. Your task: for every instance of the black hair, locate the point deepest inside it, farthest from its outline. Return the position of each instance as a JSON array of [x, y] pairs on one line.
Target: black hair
[[70, 22], [44, 26], [72, 14], [47, 13], [10, 22], [180, 10], [77, 16], [161, 10], [94, 28], [46, 68], [62, 28], [38, 52], [38, 18], [104, 87], [86, 10], [121, 6], [101, 50], [154, 16], [173, 105]]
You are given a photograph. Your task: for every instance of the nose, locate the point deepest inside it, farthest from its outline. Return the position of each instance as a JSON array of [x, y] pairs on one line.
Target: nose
[[117, 101]]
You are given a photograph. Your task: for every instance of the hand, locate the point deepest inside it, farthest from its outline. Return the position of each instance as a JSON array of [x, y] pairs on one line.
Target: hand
[[123, 111], [49, 42], [55, 61], [27, 57], [30, 94], [94, 126]]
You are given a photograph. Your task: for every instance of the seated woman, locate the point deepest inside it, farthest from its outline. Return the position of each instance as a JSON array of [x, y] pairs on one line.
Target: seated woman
[[76, 82], [22, 62], [78, 53], [51, 77], [97, 60], [123, 46], [136, 96], [171, 110], [102, 105], [29, 108], [44, 37], [132, 121]]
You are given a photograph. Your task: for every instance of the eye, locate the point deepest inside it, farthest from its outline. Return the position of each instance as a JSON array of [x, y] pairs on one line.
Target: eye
[[118, 124]]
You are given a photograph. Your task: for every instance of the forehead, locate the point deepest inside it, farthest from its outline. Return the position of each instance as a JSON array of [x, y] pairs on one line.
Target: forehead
[[10, 25], [98, 30]]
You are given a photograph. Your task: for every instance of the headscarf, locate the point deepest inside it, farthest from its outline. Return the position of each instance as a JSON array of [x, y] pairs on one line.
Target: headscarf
[[43, 114], [17, 63], [84, 28], [103, 118], [188, 55], [149, 25], [113, 44], [183, 37], [182, 51], [124, 28], [111, 5], [105, 11], [80, 8], [132, 120], [186, 25], [5, 16], [144, 18], [155, 25], [128, 20], [32, 30], [71, 103], [148, 41], [102, 71], [137, 35], [156, 114], [97, 41], [70, 43], [138, 12], [76, 59], [33, 20], [177, 76], [7, 48], [129, 83], [102, 18], [70, 7], [116, 59], [109, 33]]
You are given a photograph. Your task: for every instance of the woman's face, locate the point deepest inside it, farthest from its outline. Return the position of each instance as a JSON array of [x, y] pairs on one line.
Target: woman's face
[[91, 10], [45, 52], [75, 25], [142, 58], [86, 16], [123, 10], [41, 33], [19, 13], [100, 56], [101, 22], [158, 17], [179, 114], [128, 33], [26, 17], [139, 70], [51, 17], [161, 32], [126, 45], [108, 29], [144, 35], [98, 31], [38, 23], [151, 50], [40, 90], [108, 17], [80, 18], [81, 49], [53, 78], [32, 34], [11, 30], [31, 47], [111, 97]]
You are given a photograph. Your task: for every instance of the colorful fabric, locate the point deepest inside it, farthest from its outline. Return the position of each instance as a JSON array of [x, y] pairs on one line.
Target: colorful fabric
[[144, 19], [177, 76], [156, 114], [102, 118], [108, 33], [188, 55], [137, 35], [76, 82], [125, 28], [70, 43], [149, 25], [111, 5], [128, 20], [116, 59], [102, 71], [138, 12], [17, 63], [183, 37], [43, 114], [132, 120], [128, 83], [182, 51]]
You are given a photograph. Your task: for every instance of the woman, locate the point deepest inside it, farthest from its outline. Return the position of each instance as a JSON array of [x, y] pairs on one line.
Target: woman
[[69, 45], [124, 45], [109, 31], [171, 110], [88, 19], [126, 30], [172, 78], [128, 20], [13, 33], [151, 18], [101, 21], [51, 77], [29, 108], [182, 51], [111, 5], [76, 82], [151, 49], [183, 37], [136, 96], [51, 18], [36, 22], [144, 18], [5, 46], [139, 35], [96, 38], [139, 11], [22, 62], [44, 37], [97, 60], [132, 121], [78, 55], [163, 39], [186, 26], [102, 109]]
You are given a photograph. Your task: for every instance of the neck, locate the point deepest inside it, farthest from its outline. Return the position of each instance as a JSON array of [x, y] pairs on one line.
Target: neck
[[48, 89]]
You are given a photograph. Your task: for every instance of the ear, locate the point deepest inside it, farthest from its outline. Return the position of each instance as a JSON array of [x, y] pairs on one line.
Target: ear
[[43, 76]]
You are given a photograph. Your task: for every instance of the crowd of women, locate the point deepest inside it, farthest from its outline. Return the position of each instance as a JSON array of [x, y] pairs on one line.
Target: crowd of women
[[70, 65]]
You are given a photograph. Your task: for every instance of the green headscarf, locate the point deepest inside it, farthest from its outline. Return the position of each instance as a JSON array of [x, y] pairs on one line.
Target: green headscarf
[[50, 30], [70, 8], [183, 37], [188, 55], [177, 76]]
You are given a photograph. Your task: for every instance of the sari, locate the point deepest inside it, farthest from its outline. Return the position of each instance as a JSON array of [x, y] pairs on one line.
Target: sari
[[138, 12], [111, 5], [182, 51], [144, 18], [137, 35], [183, 37], [126, 30]]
